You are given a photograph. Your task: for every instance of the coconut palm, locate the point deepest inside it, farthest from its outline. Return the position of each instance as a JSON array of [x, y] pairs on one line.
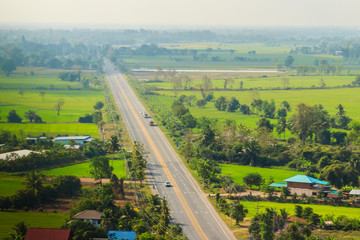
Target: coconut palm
[[33, 181]]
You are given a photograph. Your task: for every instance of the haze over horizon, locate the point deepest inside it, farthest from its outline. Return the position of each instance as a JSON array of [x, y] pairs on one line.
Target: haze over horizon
[[232, 13]]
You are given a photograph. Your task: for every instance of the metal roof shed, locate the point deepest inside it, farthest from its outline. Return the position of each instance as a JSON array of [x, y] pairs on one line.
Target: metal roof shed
[[355, 192]]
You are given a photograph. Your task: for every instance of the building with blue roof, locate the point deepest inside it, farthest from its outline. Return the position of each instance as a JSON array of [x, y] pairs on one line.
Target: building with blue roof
[[121, 235], [79, 140], [302, 184]]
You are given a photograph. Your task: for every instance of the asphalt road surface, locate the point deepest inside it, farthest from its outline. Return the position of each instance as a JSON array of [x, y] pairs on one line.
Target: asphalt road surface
[[189, 206]]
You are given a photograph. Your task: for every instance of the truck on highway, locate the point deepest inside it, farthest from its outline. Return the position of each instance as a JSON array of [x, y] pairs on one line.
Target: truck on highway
[[151, 122]]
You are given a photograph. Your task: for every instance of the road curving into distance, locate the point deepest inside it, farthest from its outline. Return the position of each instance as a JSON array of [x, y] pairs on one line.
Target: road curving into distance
[[189, 206]]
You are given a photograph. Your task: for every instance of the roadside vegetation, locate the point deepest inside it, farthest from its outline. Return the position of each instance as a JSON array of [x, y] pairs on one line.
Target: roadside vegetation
[[301, 120]]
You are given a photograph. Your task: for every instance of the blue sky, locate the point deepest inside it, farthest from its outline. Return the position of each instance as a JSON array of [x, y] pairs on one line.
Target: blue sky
[[184, 12]]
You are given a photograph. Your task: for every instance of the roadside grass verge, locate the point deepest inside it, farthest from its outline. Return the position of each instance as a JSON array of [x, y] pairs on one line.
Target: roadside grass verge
[[33, 219], [238, 172], [52, 129]]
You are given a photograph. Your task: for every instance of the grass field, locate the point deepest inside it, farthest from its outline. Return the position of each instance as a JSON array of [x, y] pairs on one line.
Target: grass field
[[238, 172], [77, 103], [28, 82], [52, 129], [290, 208], [9, 184], [83, 170], [33, 219]]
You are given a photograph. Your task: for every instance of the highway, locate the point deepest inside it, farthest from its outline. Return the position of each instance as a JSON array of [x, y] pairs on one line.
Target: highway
[[189, 206]]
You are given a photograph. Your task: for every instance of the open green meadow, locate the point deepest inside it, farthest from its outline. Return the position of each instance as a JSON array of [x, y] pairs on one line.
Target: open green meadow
[[52, 129], [238, 172], [290, 208], [44, 220], [83, 170], [9, 184], [76, 104]]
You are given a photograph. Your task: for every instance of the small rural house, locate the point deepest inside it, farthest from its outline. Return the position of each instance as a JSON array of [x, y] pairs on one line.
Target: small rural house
[[355, 192], [92, 216], [34, 140], [302, 184], [15, 154], [48, 234], [79, 140]]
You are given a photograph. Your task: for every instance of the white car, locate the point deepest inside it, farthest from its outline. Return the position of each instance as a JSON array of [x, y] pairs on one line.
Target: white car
[[167, 184]]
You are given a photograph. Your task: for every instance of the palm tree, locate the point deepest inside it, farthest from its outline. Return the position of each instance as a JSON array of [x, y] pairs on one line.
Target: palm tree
[[114, 145], [33, 181], [251, 152]]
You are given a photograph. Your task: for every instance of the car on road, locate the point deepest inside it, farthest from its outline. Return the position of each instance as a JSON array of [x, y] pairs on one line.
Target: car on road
[[167, 184]]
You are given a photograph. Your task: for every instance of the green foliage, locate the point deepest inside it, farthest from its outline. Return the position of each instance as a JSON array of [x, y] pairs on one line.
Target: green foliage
[[253, 179], [238, 212], [221, 103], [32, 116], [98, 105], [7, 66], [66, 186], [13, 117], [100, 167]]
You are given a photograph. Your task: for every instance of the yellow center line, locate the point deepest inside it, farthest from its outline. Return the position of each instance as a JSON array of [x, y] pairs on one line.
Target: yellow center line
[[176, 188]]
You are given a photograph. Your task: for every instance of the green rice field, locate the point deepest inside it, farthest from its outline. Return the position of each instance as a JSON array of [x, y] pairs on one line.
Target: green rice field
[[9, 184], [290, 208], [238, 172], [83, 170], [76, 104], [52, 129], [40, 220]]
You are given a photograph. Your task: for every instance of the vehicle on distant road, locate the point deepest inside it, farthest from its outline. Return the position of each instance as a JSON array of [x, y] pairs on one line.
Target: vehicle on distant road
[[146, 115], [151, 122], [167, 184]]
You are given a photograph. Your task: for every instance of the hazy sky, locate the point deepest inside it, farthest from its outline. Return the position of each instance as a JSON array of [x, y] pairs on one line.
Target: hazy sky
[[182, 12]]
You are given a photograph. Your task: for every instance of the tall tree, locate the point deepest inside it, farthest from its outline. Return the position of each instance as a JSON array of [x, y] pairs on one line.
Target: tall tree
[[42, 94], [33, 181], [13, 117], [7, 66], [58, 106], [100, 167], [114, 145], [302, 121], [238, 212]]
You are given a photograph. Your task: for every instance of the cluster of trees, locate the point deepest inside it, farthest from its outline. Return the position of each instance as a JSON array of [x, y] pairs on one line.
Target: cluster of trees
[[23, 52], [55, 155], [271, 225], [95, 117], [35, 193], [320, 67], [30, 115], [152, 222], [70, 76]]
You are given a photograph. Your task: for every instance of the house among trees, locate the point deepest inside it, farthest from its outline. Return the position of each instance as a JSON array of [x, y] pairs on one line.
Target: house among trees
[[92, 216], [76, 140], [15, 154], [48, 233], [302, 184], [34, 140]]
